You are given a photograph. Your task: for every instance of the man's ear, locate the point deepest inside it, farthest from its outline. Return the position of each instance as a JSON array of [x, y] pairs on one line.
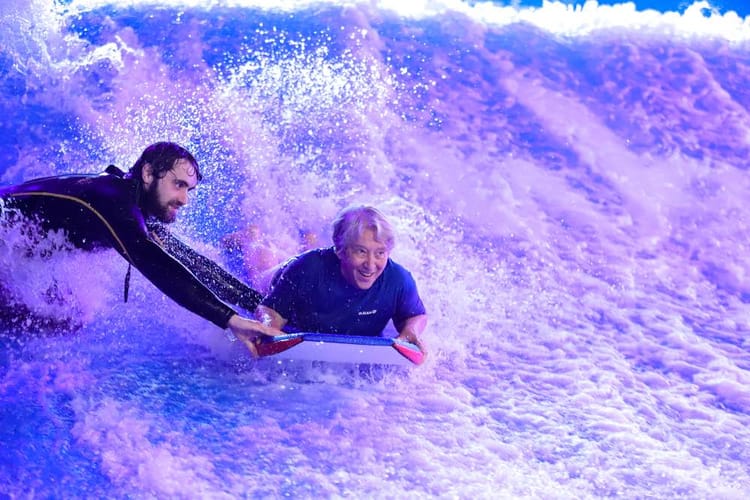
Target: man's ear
[[147, 175]]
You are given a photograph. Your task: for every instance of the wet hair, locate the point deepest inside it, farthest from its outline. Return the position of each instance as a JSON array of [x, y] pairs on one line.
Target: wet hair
[[352, 221], [162, 157]]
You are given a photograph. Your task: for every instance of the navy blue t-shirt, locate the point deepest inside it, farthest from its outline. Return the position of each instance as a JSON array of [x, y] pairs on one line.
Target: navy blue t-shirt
[[313, 296]]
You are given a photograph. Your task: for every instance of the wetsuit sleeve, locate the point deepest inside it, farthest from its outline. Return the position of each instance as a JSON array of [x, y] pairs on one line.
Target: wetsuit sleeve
[[101, 211], [219, 281], [177, 282]]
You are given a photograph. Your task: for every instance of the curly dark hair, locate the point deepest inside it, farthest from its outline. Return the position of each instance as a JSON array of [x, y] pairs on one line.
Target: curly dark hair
[[162, 157]]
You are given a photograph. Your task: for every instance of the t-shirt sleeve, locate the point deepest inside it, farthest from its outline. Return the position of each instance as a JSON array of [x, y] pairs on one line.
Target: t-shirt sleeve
[[285, 291], [409, 303]]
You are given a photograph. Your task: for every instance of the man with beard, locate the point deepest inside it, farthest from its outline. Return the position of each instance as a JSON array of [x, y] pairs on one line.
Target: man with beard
[[129, 213]]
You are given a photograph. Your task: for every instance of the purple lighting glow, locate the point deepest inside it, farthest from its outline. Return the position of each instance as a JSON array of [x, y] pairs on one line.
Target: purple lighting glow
[[568, 187]]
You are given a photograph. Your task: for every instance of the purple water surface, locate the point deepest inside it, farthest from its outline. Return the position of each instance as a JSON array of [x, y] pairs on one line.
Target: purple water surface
[[569, 188]]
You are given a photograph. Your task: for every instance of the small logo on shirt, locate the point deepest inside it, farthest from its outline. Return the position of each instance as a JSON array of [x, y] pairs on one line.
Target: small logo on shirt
[[367, 313]]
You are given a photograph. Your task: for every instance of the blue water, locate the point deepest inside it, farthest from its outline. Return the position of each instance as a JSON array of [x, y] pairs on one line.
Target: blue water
[[569, 188]]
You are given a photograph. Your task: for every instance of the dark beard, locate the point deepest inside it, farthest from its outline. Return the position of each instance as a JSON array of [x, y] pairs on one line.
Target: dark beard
[[153, 208]]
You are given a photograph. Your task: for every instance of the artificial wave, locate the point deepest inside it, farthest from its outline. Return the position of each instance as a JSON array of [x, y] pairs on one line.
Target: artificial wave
[[568, 187]]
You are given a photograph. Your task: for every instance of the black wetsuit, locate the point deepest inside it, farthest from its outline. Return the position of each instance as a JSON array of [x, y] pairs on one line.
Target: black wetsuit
[[103, 211]]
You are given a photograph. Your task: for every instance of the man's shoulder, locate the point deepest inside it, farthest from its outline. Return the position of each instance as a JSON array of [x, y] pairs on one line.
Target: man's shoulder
[[307, 267], [73, 184], [317, 257], [397, 276], [396, 269]]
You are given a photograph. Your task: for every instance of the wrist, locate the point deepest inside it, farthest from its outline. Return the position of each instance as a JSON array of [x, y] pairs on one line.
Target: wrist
[[232, 321], [408, 335]]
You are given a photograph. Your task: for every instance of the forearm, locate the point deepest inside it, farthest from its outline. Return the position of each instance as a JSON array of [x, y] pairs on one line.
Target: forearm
[[413, 328], [181, 286], [174, 279], [221, 282]]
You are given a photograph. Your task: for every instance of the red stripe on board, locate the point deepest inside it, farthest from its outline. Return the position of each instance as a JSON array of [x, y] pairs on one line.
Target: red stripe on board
[[271, 348], [414, 355]]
